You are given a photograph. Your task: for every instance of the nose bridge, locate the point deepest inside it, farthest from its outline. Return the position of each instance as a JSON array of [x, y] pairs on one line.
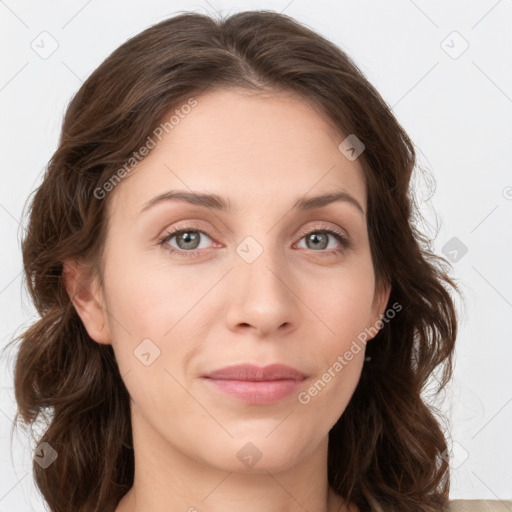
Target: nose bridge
[[259, 264]]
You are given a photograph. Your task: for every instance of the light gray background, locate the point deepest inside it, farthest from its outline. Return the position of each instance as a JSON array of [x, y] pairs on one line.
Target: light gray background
[[456, 105]]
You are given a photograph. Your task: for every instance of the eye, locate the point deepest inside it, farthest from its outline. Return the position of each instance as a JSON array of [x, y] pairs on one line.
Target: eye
[[318, 238], [188, 239]]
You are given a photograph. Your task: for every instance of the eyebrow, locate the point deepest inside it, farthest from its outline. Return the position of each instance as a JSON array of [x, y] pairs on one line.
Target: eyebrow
[[216, 202]]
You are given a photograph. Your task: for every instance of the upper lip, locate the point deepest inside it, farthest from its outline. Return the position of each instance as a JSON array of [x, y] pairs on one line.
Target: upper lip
[[256, 373]]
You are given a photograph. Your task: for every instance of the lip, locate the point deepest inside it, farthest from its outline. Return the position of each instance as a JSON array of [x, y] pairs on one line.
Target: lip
[[255, 384], [256, 373]]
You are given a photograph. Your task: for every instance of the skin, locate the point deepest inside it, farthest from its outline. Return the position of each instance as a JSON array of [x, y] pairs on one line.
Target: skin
[[297, 304]]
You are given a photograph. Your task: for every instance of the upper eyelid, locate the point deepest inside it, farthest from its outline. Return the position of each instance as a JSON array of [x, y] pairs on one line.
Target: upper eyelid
[[193, 225]]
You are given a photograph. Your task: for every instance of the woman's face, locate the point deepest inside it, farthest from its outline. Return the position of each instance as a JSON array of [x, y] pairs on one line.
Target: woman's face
[[244, 284]]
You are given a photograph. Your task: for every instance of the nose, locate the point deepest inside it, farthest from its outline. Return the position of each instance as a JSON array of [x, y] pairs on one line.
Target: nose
[[261, 295]]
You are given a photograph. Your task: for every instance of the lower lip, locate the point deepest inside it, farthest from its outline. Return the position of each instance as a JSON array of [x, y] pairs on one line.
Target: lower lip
[[257, 393]]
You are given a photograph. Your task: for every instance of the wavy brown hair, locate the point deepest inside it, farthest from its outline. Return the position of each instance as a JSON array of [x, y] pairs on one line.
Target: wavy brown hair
[[388, 449]]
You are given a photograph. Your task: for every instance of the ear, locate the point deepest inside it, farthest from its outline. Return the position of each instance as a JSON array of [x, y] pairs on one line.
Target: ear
[[88, 300], [380, 300]]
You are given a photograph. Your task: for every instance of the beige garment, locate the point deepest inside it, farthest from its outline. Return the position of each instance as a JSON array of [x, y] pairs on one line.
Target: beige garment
[[480, 506]]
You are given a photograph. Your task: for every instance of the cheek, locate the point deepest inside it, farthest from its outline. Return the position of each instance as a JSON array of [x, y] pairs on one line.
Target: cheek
[[342, 301], [146, 293], [156, 317]]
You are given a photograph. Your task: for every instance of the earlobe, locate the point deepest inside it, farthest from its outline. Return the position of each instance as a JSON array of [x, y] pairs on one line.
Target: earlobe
[[87, 298], [380, 301]]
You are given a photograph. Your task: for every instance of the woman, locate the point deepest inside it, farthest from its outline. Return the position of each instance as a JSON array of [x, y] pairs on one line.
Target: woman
[[236, 308]]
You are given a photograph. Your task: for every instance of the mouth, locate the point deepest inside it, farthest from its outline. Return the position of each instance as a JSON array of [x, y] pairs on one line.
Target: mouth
[[256, 385]]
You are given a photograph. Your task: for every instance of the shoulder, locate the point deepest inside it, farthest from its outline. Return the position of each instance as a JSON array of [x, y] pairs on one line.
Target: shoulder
[[479, 506]]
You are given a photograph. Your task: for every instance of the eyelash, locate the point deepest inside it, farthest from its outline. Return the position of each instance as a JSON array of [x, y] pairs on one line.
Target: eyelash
[[344, 241]]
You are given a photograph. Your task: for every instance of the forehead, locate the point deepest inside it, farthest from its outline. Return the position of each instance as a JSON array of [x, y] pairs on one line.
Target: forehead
[[255, 148]]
